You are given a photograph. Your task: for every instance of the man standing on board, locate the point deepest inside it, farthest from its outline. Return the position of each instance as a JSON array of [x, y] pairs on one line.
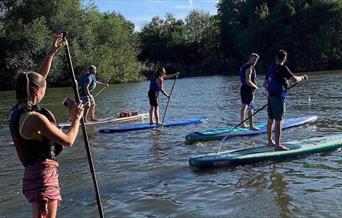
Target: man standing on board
[[248, 87], [87, 85], [276, 84]]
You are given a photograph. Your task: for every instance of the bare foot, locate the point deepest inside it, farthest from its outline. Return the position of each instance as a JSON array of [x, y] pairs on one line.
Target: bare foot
[[244, 126], [271, 143], [281, 148], [94, 120], [254, 128]]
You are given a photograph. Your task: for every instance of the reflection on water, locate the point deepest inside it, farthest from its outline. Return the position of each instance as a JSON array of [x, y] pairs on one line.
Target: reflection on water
[[146, 173]]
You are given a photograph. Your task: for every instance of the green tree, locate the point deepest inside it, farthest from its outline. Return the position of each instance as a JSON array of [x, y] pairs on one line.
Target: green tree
[[106, 40]]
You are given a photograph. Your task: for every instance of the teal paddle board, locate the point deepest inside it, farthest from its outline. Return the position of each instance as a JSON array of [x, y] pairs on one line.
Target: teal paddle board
[[267, 153], [217, 134]]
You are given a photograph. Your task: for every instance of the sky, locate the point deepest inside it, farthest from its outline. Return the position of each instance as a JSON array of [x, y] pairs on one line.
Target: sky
[[141, 12]]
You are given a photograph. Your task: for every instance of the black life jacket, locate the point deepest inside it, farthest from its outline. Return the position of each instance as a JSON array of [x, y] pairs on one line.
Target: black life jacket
[[243, 75], [32, 151]]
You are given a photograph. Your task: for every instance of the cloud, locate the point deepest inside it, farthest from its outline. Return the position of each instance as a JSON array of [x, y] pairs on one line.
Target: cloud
[[190, 5]]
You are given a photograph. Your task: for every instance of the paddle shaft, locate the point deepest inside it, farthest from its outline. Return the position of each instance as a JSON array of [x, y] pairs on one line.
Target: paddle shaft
[[257, 111], [168, 101], [100, 91], [84, 131]]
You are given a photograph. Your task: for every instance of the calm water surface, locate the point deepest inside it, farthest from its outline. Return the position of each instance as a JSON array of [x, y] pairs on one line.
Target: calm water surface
[[146, 173]]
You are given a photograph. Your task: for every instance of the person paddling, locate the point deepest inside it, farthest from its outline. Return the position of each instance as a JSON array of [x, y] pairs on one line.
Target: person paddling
[[156, 86], [248, 88], [37, 138], [87, 85], [276, 84]]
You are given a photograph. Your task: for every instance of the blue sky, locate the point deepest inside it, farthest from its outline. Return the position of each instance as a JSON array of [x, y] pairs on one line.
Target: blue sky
[[140, 12]]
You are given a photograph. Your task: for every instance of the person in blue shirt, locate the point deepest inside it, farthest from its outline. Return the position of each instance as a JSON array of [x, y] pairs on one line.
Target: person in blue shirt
[[248, 88], [276, 83], [87, 85], [156, 86]]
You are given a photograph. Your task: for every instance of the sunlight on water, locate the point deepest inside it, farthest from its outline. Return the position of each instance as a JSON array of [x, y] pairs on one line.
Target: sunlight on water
[[146, 173]]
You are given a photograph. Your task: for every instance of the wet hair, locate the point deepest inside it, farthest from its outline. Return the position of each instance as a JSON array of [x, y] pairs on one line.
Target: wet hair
[[27, 83], [281, 54], [159, 72]]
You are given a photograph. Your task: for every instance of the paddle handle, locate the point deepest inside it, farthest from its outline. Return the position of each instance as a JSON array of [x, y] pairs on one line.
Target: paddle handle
[[168, 101], [84, 131]]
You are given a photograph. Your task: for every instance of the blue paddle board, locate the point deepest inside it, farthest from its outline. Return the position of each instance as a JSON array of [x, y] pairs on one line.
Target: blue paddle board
[[142, 126], [217, 134], [267, 153]]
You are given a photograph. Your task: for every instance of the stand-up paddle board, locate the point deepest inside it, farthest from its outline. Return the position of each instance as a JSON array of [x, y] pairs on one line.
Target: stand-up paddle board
[[142, 126], [267, 153], [217, 134], [111, 120]]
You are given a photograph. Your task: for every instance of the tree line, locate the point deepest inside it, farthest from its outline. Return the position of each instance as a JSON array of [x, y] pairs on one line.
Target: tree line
[[106, 40], [200, 44]]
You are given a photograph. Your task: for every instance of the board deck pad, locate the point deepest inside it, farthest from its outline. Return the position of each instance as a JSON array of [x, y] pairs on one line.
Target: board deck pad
[[268, 153], [142, 126], [217, 134]]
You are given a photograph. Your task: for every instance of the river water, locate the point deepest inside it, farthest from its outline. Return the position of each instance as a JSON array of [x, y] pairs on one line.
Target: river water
[[146, 173]]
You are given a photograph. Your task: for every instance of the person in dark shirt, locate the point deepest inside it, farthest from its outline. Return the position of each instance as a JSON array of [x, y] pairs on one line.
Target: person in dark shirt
[[276, 84], [37, 138], [248, 87], [156, 86]]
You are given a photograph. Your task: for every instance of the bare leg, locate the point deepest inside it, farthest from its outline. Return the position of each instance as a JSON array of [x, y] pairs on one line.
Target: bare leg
[[156, 115], [92, 112], [151, 114], [52, 208], [243, 113], [85, 114], [251, 120], [42, 210], [277, 133], [269, 132]]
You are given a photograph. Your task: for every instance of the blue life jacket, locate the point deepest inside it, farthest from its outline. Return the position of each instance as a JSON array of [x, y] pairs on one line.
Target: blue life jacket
[[87, 78], [243, 75], [276, 85], [153, 85], [32, 151]]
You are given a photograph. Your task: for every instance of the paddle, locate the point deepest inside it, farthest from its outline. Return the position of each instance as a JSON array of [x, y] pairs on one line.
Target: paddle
[[249, 117], [100, 91], [94, 97], [167, 104], [84, 131]]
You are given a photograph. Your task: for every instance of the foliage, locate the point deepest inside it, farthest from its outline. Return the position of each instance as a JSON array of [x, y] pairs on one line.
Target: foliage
[[308, 30], [199, 44], [27, 29]]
